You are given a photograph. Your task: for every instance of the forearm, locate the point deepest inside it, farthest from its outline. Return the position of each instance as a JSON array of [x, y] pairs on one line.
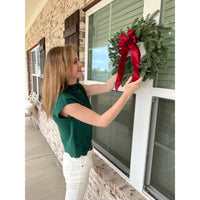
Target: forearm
[[111, 114], [95, 89]]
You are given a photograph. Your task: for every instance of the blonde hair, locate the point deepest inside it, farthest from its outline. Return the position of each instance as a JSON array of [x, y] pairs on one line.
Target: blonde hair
[[56, 75]]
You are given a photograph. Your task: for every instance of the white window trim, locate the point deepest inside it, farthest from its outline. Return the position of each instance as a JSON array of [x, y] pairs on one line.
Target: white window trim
[[142, 108]]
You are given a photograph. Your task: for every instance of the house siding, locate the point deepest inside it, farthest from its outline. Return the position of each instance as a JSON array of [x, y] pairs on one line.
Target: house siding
[[104, 182]]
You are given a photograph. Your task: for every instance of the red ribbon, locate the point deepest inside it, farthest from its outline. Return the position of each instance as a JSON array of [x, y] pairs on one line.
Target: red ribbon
[[124, 46]]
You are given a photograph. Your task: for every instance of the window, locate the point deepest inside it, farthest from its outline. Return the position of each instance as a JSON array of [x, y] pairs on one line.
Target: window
[[140, 142], [36, 71], [160, 173], [160, 169], [115, 141]]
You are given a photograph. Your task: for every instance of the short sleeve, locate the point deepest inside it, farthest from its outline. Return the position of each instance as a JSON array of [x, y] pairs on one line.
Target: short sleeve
[[63, 100]]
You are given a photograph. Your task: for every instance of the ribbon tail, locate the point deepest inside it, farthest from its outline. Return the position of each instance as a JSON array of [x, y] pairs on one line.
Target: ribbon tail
[[121, 67], [135, 56]]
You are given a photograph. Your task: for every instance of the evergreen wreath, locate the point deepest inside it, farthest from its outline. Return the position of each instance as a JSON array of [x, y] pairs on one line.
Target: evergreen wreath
[[152, 35]]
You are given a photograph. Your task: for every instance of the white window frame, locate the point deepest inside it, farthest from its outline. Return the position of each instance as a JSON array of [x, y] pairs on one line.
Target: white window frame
[[143, 107]]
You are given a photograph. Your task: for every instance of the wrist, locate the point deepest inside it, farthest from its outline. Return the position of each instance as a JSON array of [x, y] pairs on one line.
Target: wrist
[[126, 96], [109, 87], [110, 84]]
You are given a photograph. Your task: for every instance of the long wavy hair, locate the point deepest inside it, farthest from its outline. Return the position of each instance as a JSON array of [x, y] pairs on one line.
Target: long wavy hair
[[57, 72]]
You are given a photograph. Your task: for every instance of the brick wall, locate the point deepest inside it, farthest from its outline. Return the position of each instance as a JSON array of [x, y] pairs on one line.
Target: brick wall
[[104, 183]]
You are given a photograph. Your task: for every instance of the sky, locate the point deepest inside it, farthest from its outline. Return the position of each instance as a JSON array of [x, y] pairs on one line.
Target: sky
[[100, 58]]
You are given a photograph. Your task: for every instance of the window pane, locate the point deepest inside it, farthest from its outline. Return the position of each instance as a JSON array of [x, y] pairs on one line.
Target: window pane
[[40, 81], [116, 138], [102, 25], [98, 59], [34, 84], [35, 56], [166, 77], [163, 166], [34, 64], [100, 63], [38, 61]]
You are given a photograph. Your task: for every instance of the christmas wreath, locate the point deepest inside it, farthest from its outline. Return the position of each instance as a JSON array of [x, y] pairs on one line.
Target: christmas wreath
[[143, 32]]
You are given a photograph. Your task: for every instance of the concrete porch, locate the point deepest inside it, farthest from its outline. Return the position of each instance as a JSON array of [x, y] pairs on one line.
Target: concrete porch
[[43, 172]]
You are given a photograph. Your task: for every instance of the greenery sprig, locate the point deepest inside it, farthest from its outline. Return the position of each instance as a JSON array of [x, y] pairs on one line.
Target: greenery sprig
[[153, 36]]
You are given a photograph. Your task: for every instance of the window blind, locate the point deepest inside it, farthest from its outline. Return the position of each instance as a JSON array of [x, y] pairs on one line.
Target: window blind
[[98, 28], [33, 57], [40, 82], [166, 77], [160, 171], [163, 167], [123, 14], [35, 84]]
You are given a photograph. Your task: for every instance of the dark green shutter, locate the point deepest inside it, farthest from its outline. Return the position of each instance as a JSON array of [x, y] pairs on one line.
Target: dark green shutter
[[71, 33]]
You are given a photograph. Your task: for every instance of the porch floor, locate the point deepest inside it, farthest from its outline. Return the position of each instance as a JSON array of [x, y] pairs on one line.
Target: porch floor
[[43, 172]]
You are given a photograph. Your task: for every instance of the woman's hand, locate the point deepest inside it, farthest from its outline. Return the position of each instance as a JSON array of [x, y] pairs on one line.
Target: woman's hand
[[111, 83], [131, 87]]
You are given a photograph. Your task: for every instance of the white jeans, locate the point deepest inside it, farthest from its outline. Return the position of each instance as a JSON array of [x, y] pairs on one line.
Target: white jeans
[[76, 172]]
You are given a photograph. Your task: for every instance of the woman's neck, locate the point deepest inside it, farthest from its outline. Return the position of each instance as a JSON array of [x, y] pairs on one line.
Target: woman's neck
[[72, 81]]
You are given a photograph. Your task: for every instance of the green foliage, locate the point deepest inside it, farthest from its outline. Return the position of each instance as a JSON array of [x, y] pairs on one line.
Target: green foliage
[[153, 36]]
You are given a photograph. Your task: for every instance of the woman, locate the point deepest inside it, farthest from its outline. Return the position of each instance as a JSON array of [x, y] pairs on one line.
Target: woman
[[67, 102]]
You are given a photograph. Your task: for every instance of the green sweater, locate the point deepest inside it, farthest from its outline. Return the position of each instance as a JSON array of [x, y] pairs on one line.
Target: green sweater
[[76, 136]]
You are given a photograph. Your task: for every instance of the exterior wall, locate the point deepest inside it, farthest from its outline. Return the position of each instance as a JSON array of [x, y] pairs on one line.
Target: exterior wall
[[104, 183]]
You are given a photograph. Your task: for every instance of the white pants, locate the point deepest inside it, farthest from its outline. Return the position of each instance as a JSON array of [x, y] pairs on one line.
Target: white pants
[[76, 172]]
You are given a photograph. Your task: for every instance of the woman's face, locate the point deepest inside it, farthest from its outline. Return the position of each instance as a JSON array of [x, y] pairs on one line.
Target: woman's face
[[76, 71]]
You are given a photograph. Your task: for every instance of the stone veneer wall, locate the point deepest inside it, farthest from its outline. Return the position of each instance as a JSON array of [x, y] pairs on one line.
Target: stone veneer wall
[[105, 183]]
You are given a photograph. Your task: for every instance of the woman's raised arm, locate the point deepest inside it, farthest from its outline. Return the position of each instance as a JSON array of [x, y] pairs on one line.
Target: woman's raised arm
[[88, 116]]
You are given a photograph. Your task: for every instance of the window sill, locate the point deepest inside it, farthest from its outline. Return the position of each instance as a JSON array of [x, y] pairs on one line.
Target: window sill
[[113, 183]]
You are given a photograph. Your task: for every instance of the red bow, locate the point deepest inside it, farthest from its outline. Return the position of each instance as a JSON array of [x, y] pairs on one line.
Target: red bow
[[124, 46]]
